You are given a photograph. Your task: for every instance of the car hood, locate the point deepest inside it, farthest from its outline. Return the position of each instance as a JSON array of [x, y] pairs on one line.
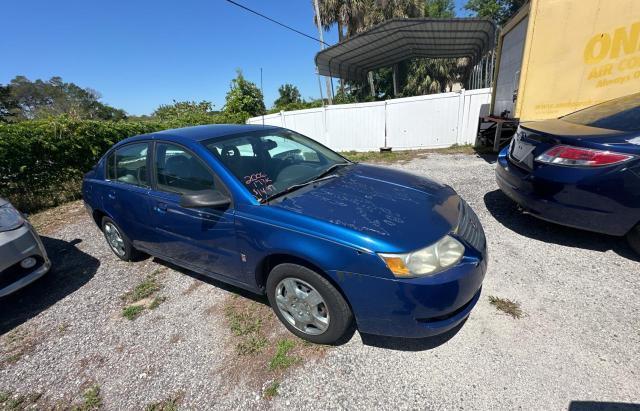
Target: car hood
[[391, 210]]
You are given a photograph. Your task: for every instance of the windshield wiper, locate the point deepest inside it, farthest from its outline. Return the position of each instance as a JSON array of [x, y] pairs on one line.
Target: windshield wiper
[[330, 169], [297, 186], [320, 177]]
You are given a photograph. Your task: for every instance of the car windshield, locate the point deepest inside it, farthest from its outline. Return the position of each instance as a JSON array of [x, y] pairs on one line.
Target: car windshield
[[271, 162], [622, 114]]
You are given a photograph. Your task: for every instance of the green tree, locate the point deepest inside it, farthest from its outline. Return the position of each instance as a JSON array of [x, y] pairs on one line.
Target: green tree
[[439, 9], [187, 111], [497, 10], [288, 95], [40, 99], [243, 100], [9, 107]]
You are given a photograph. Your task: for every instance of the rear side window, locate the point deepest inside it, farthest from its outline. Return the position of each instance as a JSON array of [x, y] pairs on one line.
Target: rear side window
[[128, 164], [179, 171], [622, 114]]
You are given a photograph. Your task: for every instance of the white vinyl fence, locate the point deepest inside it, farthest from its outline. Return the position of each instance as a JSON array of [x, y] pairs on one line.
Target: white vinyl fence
[[432, 121]]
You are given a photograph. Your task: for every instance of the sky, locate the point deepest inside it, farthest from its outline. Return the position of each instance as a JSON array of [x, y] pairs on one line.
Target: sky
[[139, 54]]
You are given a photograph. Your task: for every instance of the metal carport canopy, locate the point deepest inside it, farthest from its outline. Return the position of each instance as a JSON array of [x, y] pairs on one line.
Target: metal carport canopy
[[399, 39]]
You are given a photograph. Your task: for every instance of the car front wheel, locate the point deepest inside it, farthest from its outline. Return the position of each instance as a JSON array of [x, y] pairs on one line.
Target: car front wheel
[[633, 238], [307, 304]]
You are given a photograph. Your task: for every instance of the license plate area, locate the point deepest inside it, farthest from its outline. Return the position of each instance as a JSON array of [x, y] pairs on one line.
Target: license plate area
[[522, 152]]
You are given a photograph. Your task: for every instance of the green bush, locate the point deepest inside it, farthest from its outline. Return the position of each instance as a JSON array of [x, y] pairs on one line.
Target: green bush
[[42, 161]]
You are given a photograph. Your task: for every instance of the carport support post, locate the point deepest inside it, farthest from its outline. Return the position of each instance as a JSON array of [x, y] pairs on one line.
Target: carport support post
[[395, 80], [371, 85], [328, 80]]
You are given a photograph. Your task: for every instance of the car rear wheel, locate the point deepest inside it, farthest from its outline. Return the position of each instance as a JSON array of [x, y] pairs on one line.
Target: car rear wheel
[[633, 238], [307, 304], [118, 242]]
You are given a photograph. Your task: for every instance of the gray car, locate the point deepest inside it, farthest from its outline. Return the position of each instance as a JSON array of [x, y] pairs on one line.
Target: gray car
[[23, 258]]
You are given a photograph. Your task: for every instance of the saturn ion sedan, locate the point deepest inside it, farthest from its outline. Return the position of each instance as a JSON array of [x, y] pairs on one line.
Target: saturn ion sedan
[[266, 209], [581, 170]]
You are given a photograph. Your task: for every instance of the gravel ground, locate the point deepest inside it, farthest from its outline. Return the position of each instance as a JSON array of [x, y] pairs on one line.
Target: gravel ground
[[578, 343]]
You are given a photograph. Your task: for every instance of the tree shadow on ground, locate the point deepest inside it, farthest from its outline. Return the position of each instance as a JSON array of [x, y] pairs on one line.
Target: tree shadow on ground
[[70, 270], [506, 211]]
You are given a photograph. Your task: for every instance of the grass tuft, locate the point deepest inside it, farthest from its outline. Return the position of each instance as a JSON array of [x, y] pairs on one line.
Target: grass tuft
[[272, 390], [143, 290], [251, 345], [91, 399], [132, 312], [243, 322], [170, 404], [156, 302], [507, 306], [282, 360]]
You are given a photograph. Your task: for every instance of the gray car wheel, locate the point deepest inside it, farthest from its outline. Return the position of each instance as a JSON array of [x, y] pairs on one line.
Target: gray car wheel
[[117, 241], [307, 304]]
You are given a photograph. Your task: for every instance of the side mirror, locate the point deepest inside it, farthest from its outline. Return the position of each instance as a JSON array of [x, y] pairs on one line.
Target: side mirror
[[203, 199]]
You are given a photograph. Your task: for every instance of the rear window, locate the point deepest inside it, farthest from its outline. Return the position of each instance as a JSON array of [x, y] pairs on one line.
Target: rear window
[[622, 114]]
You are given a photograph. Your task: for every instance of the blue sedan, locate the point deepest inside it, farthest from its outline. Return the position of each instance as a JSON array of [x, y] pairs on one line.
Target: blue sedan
[[266, 209], [581, 170]]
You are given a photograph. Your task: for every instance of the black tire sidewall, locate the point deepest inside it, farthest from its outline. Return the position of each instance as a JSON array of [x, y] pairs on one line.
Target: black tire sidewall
[[128, 248], [340, 314], [633, 238]]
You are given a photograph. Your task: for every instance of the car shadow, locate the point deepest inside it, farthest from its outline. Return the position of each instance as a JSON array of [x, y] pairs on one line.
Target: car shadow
[[411, 344], [486, 154], [602, 406], [262, 299], [71, 268], [507, 212]]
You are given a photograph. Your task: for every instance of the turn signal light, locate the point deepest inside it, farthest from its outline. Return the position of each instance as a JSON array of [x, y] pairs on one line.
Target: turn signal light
[[582, 157]]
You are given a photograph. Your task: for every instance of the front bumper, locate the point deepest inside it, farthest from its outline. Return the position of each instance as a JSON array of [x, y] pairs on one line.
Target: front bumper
[[576, 202], [417, 307], [15, 246]]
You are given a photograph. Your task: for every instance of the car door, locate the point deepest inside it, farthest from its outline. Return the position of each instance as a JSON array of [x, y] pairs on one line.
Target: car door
[[203, 239], [126, 189]]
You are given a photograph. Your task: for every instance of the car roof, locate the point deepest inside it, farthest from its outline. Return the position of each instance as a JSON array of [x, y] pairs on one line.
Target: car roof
[[205, 132]]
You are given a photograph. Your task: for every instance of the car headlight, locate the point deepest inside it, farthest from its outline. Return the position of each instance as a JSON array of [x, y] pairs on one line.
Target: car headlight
[[426, 261], [10, 218]]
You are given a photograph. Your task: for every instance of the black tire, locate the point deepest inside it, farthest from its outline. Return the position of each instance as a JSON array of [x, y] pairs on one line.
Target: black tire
[[339, 314], [128, 253], [633, 238]]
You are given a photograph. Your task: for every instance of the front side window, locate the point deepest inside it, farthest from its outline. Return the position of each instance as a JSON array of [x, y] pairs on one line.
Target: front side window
[[179, 171], [272, 161], [128, 164]]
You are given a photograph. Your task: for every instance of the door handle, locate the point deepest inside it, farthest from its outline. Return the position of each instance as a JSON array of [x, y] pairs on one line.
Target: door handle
[[161, 207], [111, 195]]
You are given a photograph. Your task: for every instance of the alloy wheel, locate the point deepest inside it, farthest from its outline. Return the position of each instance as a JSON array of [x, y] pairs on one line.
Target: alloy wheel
[[114, 238]]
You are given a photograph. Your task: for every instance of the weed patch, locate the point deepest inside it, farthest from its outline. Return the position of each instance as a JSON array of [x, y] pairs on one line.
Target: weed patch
[[131, 312], [91, 399], [271, 390], [507, 306], [145, 289], [169, 404], [265, 350], [282, 360]]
